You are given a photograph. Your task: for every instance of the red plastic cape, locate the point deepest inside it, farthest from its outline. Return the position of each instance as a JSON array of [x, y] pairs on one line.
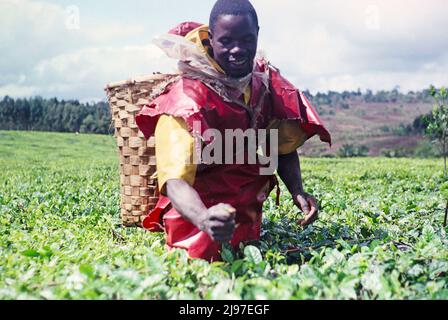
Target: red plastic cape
[[239, 185]]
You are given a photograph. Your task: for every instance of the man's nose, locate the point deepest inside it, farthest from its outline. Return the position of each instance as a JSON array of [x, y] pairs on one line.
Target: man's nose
[[236, 49]]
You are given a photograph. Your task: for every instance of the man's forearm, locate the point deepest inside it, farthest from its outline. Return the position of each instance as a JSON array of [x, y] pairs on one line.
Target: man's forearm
[[289, 172], [186, 201]]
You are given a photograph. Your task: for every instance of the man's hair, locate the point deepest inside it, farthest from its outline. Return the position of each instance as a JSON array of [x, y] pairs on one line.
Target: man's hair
[[234, 8]]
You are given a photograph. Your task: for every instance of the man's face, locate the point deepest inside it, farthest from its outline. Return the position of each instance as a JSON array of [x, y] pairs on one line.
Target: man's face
[[234, 42]]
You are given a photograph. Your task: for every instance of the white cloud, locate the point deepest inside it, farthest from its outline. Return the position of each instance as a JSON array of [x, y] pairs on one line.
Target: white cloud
[[95, 67], [18, 90], [31, 31], [332, 45], [36, 30], [320, 45], [42, 53]]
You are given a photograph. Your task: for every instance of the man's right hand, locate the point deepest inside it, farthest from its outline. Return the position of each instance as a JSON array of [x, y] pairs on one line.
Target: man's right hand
[[219, 223]]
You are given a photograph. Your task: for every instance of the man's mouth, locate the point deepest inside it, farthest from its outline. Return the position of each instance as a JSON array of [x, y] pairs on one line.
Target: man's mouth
[[238, 61]]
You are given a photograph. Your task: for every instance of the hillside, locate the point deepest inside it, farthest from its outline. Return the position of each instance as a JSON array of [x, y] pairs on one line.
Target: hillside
[[379, 122], [376, 125]]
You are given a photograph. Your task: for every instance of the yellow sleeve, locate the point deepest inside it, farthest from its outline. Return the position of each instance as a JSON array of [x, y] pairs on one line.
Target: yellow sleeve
[[290, 135], [174, 151]]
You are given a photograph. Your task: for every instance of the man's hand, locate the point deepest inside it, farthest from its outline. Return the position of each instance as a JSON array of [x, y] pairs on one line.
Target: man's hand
[[219, 223], [308, 205]]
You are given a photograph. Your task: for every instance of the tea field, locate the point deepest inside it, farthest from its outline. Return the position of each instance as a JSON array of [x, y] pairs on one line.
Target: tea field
[[379, 235]]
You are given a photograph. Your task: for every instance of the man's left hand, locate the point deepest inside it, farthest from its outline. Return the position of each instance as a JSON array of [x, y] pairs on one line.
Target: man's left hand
[[308, 205]]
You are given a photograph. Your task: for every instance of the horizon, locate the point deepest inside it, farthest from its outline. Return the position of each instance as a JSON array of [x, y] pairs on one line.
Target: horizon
[[70, 49], [363, 92]]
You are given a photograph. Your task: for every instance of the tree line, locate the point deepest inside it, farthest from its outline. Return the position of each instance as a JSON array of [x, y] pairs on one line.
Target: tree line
[[39, 114], [333, 98]]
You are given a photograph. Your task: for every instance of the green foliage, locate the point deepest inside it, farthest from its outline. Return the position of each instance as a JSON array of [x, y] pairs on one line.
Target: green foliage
[[397, 153], [339, 99], [54, 115], [405, 130], [350, 150], [437, 127], [379, 235], [253, 255], [424, 149], [444, 190]]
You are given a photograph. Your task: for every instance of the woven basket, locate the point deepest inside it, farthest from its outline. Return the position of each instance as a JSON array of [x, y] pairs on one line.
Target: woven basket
[[138, 177]]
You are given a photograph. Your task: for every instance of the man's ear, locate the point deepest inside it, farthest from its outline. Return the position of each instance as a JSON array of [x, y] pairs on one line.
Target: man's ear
[[210, 42]]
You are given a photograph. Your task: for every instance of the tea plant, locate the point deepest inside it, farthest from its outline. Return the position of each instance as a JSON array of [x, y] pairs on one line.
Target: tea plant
[[379, 235]]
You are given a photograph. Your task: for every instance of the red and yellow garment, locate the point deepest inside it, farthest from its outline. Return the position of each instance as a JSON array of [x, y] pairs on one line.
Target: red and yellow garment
[[241, 186]]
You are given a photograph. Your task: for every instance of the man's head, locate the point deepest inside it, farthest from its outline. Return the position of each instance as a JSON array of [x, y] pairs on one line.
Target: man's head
[[234, 36]]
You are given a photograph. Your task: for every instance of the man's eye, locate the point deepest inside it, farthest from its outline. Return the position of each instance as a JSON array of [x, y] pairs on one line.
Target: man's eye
[[225, 41], [249, 39]]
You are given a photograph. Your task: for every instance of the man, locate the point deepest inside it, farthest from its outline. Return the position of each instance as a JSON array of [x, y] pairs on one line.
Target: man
[[222, 86]]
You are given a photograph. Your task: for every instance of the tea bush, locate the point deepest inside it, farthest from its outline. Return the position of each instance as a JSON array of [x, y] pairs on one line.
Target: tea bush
[[379, 235]]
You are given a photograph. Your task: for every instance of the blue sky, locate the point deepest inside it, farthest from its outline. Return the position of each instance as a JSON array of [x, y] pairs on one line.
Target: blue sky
[[71, 49]]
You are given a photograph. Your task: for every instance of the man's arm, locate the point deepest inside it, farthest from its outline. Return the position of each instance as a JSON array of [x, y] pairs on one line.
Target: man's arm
[[289, 172], [218, 221], [176, 176]]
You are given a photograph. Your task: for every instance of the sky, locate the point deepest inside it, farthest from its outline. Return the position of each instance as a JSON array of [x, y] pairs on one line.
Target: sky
[[71, 49]]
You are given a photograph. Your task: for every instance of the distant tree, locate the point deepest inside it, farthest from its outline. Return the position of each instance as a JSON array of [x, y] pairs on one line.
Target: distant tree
[[420, 123], [87, 124], [368, 97], [350, 150], [54, 115], [437, 125], [444, 191]]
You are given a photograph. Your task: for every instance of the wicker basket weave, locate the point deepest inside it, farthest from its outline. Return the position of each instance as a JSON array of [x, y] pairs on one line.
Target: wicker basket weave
[[138, 177]]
